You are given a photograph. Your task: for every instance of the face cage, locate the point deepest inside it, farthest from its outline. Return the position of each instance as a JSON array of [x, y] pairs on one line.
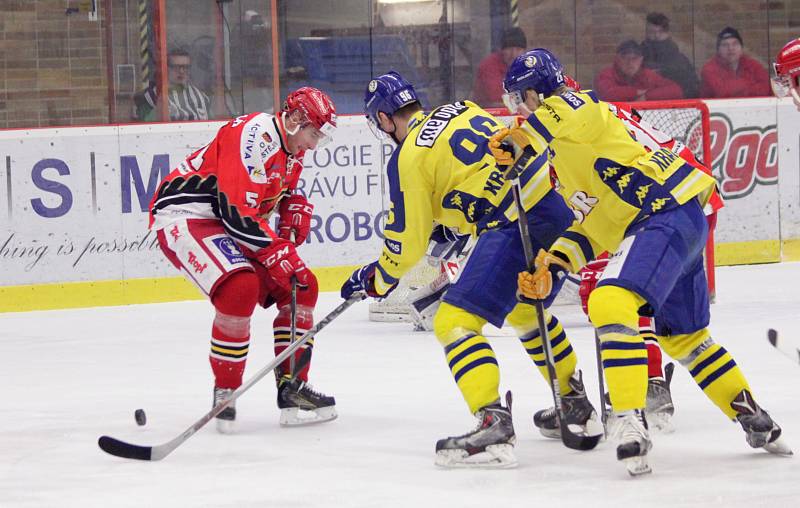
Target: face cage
[[513, 100]]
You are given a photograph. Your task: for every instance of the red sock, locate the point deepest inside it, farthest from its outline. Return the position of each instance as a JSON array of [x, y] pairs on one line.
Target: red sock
[[234, 301], [306, 300], [653, 350]]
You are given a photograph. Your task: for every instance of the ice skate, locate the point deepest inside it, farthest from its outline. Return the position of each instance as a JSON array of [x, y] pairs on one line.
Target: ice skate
[[630, 431], [300, 404], [490, 445], [226, 420], [578, 411], [761, 430], [659, 401]]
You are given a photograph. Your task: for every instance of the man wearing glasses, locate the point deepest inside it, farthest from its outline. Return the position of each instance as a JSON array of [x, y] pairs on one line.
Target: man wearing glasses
[[186, 101]]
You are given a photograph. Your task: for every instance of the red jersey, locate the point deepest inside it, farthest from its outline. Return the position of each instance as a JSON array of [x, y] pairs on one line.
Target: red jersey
[[238, 178], [653, 139]]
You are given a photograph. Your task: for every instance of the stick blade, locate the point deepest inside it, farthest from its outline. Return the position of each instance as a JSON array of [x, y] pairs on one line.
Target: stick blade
[[582, 443], [125, 450]]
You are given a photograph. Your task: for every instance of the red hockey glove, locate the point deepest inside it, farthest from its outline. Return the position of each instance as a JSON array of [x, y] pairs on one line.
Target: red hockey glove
[[590, 276], [282, 262], [295, 212]]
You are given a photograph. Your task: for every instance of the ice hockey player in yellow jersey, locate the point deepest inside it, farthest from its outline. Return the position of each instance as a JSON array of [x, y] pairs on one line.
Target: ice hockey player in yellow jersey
[[443, 172], [646, 208]]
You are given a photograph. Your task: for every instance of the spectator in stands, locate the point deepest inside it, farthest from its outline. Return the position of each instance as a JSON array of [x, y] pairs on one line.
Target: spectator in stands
[[186, 101], [488, 88], [627, 80], [731, 73], [663, 56]]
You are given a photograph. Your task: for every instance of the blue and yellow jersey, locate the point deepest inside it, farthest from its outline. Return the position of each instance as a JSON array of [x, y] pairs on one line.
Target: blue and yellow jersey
[[608, 179], [443, 171]]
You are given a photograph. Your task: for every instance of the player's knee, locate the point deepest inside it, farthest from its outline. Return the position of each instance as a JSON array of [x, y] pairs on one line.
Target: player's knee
[[614, 305], [308, 295], [451, 322], [237, 294], [686, 347], [523, 318]]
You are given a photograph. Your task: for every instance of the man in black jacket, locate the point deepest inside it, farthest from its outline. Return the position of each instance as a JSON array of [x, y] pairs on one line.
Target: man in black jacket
[[663, 56]]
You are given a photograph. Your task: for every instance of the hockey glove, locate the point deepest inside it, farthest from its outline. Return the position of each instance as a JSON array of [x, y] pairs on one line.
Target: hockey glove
[[295, 217], [363, 279], [538, 285], [446, 243], [282, 262], [590, 276], [501, 151]]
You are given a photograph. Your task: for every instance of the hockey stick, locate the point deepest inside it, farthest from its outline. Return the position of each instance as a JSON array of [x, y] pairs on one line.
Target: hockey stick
[[569, 438], [601, 383], [125, 450], [792, 350], [294, 322]]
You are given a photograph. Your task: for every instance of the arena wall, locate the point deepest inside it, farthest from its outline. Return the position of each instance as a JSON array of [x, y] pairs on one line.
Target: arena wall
[[75, 233]]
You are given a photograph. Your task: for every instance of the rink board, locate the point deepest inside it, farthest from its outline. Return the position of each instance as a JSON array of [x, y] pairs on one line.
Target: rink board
[[74, 202]]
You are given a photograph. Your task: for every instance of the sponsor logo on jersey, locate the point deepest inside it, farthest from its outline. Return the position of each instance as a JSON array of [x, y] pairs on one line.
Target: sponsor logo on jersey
[[436, 123], [195, 263], [393, 246], [174, 233], [266, 137], [582, 205], [229, 249], [573, 100]]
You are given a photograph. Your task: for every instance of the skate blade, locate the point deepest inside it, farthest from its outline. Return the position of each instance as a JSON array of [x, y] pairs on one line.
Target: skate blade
[[226, 426], [294, 417], [637, 466], [550, 433], [778, 447], [494, 457]]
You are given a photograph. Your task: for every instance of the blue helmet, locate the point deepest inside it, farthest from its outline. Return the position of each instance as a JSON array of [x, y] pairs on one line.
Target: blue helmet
[[388, 93], [538, 69]]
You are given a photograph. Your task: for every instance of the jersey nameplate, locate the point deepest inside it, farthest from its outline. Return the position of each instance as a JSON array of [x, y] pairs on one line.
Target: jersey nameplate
[[437, 122]]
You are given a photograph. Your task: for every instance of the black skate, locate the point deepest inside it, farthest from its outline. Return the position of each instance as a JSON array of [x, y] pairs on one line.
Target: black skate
[[490, 445], [578, 411], [300, 404], [630, 431], [227, 418], [659, 401], [761, 431]]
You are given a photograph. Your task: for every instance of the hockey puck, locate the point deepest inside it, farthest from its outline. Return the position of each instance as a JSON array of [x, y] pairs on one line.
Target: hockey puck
[[141, 418]]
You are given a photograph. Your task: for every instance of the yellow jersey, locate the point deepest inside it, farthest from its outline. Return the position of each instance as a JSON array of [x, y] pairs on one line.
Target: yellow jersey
[[609, 180], [443, 172]]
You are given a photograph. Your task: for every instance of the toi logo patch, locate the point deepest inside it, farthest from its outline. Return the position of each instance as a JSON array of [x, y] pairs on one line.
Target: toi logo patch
[[229, 249], [530, 62], [373, 85]]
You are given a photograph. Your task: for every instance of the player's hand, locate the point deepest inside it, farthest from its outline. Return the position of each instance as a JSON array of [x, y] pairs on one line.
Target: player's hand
[[282, 262], [538, 285], [362, 279], [501, 151], [295, 218]]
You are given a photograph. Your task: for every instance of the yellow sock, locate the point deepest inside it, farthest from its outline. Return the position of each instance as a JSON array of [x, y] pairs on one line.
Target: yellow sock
[[525, 321], [712, 367], [469, 355], [614, 311]]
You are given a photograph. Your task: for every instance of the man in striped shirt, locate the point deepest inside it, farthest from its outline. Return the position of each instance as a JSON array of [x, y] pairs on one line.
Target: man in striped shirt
[[186, 101]]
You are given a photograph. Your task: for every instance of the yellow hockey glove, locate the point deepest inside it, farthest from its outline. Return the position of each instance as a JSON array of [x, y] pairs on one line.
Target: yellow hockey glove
[[501, 151], [539, 284]]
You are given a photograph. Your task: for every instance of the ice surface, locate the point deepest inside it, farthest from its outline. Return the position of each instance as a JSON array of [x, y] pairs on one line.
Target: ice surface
[[70, 376]]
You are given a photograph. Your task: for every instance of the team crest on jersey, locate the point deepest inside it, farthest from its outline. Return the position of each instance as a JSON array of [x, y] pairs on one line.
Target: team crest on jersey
[[373, 85], [530, 62]]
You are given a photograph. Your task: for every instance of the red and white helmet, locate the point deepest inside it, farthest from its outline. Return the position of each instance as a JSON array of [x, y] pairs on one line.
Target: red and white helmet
[[317, 110], [787, 69]]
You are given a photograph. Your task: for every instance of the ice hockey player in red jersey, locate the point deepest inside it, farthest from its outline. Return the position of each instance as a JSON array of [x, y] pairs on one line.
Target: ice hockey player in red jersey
[[212, 216], [787, 72]]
